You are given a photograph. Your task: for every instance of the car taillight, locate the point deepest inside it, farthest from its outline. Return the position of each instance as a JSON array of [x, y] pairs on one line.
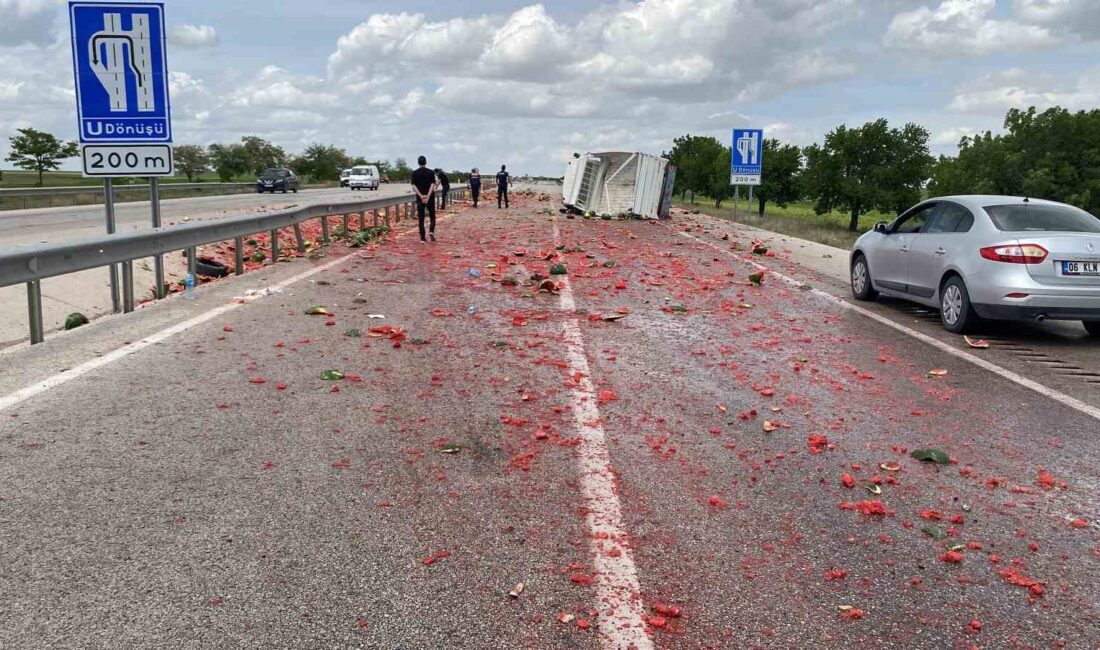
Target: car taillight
[[1016, 254]]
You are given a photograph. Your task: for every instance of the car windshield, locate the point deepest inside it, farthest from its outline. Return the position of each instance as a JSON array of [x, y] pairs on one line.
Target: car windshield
[[361, 171], [345, 173], [272, 173], [1040, 217]]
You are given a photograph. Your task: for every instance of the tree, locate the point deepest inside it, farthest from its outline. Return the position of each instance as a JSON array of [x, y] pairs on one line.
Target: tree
[[781, 181], [867, 168], [37, 151], [1054, 154], [260, 154], [228, 160], [321, 162], [401, 171], [718, 181], [191, 160]]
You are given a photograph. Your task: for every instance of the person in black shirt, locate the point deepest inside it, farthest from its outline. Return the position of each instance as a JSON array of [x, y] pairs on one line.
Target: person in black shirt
[[445, 187], [502, 186], [424, 184], [475, 185]]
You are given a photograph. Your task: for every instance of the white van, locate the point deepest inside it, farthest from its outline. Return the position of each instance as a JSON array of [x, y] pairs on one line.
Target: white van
[[364, 177]]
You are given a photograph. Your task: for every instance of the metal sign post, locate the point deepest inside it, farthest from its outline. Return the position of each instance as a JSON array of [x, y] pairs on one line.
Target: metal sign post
[[158, 260], [736, 198], [109, 203], [124, 118]]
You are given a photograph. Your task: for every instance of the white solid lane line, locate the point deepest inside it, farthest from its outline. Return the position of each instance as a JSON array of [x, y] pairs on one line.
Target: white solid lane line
[[23, 394], [618, 591], [1004, 373]]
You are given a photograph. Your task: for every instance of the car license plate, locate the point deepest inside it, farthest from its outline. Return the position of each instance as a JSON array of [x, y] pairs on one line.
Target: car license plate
[[1080, 268]]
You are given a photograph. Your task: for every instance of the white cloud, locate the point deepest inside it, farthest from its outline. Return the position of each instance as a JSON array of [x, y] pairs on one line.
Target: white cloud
[[963, 27], [950, 137], [632, 50], [1018, 88], [461, 147], [27, 21], [193, 36], [9, 90], [1080, 17]]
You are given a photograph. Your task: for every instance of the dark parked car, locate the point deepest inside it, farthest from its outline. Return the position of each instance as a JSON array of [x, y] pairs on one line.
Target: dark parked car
[[277, 180]]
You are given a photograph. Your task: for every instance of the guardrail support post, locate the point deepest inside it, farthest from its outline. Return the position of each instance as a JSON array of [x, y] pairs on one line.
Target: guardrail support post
[[347, 224], [298, 236], [324, 229], [128, 286], [238, 256], [34, 309], [362, 220], [274, 246], [158, 260], [192, 264], [374, 218]]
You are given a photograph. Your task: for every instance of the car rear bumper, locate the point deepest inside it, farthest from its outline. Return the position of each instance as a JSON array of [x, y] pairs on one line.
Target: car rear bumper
[[1037, 311]]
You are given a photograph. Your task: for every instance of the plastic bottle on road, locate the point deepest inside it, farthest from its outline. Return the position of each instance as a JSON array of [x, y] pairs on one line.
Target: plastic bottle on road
[[189, 287], [471, 310]]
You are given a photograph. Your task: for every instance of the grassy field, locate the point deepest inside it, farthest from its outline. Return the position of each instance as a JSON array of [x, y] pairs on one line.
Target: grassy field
[[796, 220]]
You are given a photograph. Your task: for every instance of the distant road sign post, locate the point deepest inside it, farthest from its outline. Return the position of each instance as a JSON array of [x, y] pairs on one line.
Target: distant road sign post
[[124, 118], [746, 161]]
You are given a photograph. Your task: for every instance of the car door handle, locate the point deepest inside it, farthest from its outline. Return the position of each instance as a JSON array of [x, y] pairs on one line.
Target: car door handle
[[941, 251]]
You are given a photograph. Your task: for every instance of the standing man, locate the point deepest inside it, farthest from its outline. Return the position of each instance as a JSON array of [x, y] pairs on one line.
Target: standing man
[[475, 185], [445, 188], [424, 184], [502, 186]]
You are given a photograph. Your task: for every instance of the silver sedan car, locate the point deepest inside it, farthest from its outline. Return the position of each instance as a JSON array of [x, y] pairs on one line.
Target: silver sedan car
[[994, 257]]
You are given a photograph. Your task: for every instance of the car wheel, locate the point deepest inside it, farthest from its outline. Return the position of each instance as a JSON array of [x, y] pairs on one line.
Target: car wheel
[[295, 190], [1093, 326], [956, 312], [259, 191], [861, 280]]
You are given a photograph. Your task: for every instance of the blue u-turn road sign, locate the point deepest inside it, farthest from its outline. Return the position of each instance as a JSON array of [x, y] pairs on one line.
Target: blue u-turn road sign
[[119, 53], [747, 161]]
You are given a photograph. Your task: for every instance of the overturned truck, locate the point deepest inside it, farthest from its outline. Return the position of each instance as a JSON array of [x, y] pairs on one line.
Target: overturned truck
[[619, 183]]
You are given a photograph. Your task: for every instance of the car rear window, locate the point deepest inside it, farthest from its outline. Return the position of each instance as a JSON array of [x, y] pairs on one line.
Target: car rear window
[[1037, 217]]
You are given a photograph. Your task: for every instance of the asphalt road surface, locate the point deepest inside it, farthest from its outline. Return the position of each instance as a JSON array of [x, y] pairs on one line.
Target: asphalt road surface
[[728, 466], [18, 227]]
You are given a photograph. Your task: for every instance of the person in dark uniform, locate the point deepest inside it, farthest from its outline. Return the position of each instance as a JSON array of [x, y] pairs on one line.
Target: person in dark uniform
[[502, 186], [424, 184], [444, 188], [475, 185]]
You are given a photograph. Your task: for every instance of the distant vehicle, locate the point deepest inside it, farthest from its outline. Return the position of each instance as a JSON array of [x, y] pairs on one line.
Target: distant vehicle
[[364, 177], [385, 179], [273, 180], [344, 177], [994, 257]]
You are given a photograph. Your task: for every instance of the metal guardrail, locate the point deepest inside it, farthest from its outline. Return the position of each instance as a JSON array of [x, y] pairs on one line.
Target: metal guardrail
[[98, 189], [26, 193], [32, 264]]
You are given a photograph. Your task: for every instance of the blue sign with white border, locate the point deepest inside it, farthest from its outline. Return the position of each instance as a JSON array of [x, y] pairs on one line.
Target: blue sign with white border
[[747, 161], [121, 70]]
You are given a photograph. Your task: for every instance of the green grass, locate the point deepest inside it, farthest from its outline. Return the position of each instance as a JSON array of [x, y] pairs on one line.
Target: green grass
[[796, 220]]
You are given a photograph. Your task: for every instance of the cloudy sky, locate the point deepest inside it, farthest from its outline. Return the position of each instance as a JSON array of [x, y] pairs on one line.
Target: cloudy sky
[[500, 81]]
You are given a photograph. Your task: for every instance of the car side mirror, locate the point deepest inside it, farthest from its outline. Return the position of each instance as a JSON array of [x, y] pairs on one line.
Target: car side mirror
[[881, 227]]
